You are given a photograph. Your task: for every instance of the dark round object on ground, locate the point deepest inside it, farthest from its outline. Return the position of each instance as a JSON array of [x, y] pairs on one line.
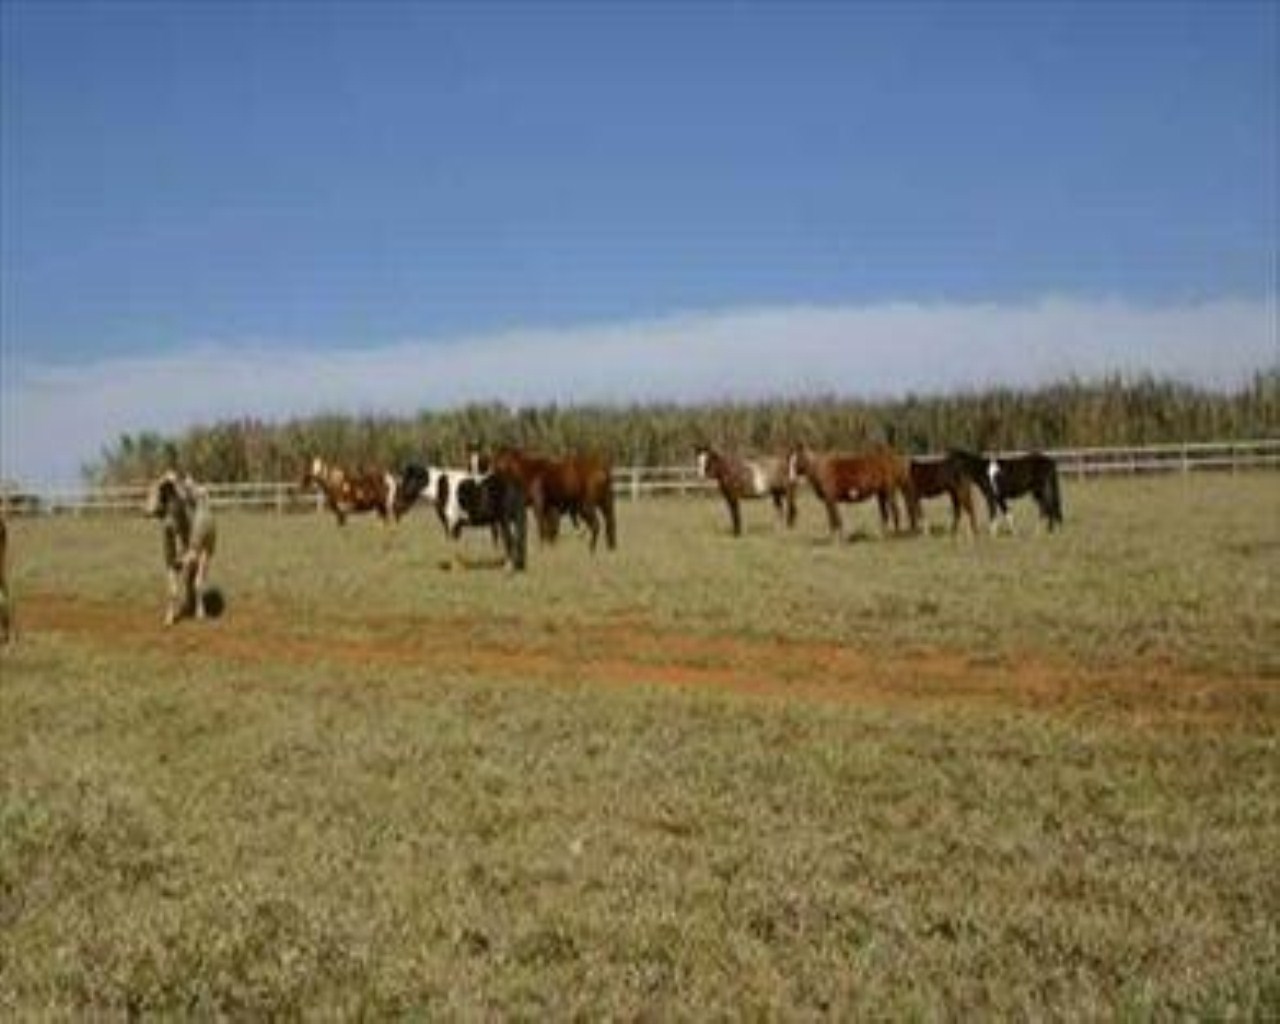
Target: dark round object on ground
[[214, 603]]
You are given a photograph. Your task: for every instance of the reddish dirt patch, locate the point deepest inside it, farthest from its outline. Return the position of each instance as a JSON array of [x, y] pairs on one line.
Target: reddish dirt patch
[[633, 653]]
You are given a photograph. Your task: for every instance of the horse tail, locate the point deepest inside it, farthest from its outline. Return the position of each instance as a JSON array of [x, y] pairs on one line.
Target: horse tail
[[974, 467], [1053, 495], [606, 507], [910, 494], [543, 513], [516, 513]]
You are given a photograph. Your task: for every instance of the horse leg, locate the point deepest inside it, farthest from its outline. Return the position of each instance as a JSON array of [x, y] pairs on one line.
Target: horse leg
[[517, 514], [175, 586], [735, 515], [887, 505], [915, 512], [184, 595], [593, 524], [550, 524], [201, 574], [999, 515], [1054, 493], [964, 502], [610, 518], [501, 527], [548, 515], [962, 495], [833, 519]]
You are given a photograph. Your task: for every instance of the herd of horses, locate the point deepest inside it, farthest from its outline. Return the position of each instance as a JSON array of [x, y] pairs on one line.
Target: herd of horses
[[497, 490], [897, 483]]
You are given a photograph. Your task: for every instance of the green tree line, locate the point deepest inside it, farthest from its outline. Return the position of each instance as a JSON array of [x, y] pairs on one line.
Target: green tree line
[[1065, 415]]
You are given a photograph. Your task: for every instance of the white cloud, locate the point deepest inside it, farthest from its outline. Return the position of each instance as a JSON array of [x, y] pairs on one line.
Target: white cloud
[[54, 418]]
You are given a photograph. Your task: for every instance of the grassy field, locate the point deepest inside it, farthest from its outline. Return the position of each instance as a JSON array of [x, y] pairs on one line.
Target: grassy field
[[698, 777]]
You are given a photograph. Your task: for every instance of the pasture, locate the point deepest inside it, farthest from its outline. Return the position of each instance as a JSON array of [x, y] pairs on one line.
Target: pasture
[[697, 777]]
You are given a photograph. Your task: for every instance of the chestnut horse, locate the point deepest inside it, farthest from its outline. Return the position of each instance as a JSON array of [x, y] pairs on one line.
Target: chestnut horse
[[1007, 477], [580, 485], [749, 478], [880, 473], [346, 493], [944, 474]]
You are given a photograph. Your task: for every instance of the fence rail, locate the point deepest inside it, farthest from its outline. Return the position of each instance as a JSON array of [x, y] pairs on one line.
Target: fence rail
[[636, 482]]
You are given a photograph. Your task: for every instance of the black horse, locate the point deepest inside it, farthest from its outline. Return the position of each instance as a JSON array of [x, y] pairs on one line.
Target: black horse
[[1003, 479], [464, 499]]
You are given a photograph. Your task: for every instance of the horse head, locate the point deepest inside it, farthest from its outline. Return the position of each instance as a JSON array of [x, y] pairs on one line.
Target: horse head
[[993, 474], [315, 473], [798, 462], [414, 479], [705, 456], [506, 461], [163, 495]]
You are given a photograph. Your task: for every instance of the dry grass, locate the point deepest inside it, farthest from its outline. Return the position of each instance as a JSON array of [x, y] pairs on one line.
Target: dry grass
[[1036, 776]]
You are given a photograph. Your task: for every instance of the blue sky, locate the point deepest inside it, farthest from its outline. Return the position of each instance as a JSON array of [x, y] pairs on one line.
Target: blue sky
[[244, 181]]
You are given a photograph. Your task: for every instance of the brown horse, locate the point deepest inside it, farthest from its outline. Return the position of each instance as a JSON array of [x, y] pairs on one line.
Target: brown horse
[[880, 473], [749, 478], [939, 475], [580, 486], [347, 493]]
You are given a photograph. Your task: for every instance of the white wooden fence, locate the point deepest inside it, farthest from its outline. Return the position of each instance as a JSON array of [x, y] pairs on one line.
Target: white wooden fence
[[635, 482]]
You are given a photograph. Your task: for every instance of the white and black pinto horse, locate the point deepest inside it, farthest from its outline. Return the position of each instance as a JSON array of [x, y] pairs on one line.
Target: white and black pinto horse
[[189, 536], [1003, 478], [462, 499]]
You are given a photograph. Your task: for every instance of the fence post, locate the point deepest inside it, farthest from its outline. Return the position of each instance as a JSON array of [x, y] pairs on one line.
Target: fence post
[[635, 483]]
